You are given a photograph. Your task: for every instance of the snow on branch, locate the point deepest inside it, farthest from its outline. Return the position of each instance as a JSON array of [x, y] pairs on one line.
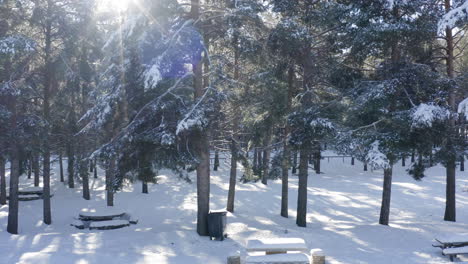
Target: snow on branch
[[375, 158], [425, 115], [16, 44], [452, 17], [463, 108]]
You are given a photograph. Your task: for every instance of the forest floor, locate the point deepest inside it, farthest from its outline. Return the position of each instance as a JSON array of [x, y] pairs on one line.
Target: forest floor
[[343, 211]]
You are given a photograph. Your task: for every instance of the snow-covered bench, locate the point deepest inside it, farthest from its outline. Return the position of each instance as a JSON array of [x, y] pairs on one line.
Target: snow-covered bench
[[104, 215], [453, 252], [107, 225], [457, 240], [295, 258], [276, 245]]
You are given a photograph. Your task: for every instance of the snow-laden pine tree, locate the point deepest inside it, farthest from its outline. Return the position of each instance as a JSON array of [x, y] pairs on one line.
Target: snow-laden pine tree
[[302, 35], [16, 51], [158, 61], [405, 87]]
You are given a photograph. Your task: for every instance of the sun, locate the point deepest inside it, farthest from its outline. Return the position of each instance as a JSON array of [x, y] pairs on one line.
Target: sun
[[113, 5]]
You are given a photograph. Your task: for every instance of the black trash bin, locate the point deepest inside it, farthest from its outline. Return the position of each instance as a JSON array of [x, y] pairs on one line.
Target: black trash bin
[[217, 224]]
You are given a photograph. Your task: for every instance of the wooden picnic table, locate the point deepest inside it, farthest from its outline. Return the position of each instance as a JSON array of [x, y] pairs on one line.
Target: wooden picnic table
[[452, 241], [276, 245]]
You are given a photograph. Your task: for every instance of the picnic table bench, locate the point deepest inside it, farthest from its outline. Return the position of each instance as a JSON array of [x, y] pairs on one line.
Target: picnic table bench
[[453, 252], [276, 245]]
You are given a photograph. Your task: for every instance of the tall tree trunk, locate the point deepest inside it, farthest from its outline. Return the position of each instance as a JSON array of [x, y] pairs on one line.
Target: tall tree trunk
[[47, 214], [144, 187], [110, 173], [266, 157], [62, 178], [302, 191], [95, 168], [403, 161], [294, 166], [285, 164], [259, 162], [3, 194], [450, 208], [216, 161], [29, 167], [201, 145], [255, 158], [232, 177], [85, 178], [413, 158], [36, 169], [462, 162], [12, 226], [317, 157], [386, 197], [71, 164], [234, 137]]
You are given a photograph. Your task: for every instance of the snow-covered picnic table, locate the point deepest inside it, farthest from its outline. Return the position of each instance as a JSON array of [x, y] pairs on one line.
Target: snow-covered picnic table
[[276, 245], [448, 241]]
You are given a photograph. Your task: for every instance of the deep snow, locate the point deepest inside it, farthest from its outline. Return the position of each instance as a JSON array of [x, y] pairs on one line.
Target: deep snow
[[343, 211]]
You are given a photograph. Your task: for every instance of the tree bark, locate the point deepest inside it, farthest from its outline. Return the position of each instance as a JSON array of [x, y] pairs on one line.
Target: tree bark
[[301, 219], [266, 158], [450, 208], [216, 161], [286, 149], [110, 172], [95, 168], [232, 177], [201, 145], [386, 197], [71, 164], [85, 178], [317, 157], [462, 163], [47, 214], [259, 162], [12, 226], [255, 158], [3, 194], [29, 168], [294, 166], [36, 169], [62, 178]]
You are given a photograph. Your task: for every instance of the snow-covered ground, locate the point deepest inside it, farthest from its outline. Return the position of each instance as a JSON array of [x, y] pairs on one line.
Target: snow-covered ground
[[343, 211]]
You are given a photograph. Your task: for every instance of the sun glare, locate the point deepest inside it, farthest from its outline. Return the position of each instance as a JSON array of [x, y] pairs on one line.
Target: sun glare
[[113, 5]]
